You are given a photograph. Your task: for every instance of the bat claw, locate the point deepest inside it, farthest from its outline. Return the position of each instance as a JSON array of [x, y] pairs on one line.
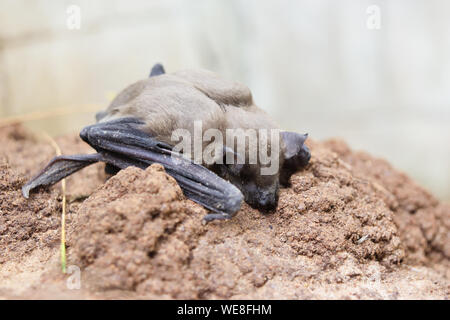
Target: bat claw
[[26, 191], [215, 216]]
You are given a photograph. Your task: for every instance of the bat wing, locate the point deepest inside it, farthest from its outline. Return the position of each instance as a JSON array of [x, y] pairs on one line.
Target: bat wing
[[121, 144]]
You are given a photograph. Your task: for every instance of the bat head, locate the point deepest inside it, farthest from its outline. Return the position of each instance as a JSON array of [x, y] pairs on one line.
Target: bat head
[[261, 191]]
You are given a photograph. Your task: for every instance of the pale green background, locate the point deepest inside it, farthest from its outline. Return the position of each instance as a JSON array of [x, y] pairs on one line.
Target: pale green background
[[313, 65]]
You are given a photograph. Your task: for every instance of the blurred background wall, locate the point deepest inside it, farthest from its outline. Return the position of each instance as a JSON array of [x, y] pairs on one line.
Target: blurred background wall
[[375, 73]]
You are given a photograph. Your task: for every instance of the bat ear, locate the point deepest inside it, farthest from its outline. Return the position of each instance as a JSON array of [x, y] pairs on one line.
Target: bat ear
[[157, 70], [293, 143], [296, 154]]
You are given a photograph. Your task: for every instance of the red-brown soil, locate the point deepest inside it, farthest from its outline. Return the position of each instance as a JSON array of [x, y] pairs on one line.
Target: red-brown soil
[[349, 227]]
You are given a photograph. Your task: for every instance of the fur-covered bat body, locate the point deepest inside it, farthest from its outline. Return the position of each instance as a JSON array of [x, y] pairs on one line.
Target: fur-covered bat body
[[138, 129]]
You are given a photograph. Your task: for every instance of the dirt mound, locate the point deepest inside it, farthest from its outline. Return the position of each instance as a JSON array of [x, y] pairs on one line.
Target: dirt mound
[[350, 226], [129, 234], [423, 222]]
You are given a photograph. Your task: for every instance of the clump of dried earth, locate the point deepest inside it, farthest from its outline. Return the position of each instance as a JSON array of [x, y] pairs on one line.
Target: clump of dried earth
[[349, 227]]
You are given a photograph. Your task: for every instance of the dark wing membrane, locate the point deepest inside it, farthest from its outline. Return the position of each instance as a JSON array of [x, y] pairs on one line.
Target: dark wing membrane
[[121, 144]]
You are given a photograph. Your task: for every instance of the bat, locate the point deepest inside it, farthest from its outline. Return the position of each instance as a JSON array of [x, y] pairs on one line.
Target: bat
[[138, 127]]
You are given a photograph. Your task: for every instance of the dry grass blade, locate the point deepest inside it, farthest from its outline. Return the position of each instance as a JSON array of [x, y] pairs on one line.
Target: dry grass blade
[[63, 214], [38, 115]]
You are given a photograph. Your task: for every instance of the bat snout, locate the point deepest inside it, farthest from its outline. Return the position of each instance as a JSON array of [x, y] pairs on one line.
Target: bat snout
[[264, 199]]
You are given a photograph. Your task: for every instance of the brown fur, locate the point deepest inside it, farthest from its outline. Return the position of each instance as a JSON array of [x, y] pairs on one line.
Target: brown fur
[[173, 101]]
